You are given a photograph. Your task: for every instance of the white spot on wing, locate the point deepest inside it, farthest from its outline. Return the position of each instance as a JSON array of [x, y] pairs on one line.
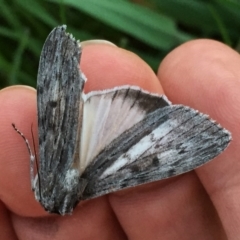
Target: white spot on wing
[[71, 178]]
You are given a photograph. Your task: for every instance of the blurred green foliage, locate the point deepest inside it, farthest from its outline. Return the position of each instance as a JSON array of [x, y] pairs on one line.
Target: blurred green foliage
[[150, 28]]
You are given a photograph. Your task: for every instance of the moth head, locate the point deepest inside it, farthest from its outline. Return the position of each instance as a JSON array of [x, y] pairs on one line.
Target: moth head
[[60, 194]]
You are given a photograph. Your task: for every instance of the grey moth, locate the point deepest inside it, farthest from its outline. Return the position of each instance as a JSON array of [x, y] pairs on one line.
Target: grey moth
[[104, 141]]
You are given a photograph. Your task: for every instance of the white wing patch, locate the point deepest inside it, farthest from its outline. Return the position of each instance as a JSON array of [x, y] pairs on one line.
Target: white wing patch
[[106, 115]]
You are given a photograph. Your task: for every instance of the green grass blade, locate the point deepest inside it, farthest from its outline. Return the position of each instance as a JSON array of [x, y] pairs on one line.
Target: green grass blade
[[18, 57], [144, 24], [221, 25], [34, 8], [7, 13]]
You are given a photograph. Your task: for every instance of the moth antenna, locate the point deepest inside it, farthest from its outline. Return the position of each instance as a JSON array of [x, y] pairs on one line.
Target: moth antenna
[[37, 163], [32, 156]]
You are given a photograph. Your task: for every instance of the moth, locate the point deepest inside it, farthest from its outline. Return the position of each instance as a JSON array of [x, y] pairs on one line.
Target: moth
[[104, 141]]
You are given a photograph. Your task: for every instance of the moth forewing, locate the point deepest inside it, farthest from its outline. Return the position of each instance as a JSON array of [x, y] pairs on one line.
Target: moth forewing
[[169, 141], [59, 88]]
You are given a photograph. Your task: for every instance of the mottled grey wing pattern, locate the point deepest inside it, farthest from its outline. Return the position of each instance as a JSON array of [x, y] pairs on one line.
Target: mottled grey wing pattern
[[167, 142], [96, 143], [59, 87]]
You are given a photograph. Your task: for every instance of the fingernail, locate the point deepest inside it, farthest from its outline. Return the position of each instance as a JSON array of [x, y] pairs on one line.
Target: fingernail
[[92, 42], [17, 86]]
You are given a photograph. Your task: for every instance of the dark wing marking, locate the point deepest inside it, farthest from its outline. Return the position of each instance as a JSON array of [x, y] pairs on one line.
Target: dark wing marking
[[59, 88], [167, 142]]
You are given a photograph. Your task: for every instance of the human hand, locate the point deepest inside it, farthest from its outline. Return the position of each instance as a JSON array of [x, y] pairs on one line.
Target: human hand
[[202, 204]]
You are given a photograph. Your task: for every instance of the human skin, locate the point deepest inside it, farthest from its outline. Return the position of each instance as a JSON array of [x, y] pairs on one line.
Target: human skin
[[201, 204]]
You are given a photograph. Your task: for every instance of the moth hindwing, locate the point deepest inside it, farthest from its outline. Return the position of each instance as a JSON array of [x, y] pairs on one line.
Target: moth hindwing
[[103, 141]]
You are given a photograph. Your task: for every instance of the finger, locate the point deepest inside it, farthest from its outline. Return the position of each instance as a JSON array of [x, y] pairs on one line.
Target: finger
[[108, 66], [176, 208], [6, 228], [91, 220], [17, 105], [20, 104], [205, 74]]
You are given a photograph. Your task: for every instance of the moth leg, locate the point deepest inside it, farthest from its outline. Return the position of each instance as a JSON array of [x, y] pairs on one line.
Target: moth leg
[[32, 156]]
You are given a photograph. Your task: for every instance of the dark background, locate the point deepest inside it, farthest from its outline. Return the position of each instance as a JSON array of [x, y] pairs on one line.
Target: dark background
[[149, 28]]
